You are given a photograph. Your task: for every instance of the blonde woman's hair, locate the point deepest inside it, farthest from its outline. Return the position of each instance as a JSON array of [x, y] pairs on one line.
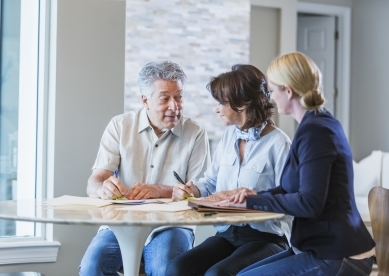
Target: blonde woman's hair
[[300, 73]]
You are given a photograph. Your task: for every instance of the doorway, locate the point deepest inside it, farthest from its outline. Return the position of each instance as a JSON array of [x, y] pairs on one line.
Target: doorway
[[317, 38], [341, 68]]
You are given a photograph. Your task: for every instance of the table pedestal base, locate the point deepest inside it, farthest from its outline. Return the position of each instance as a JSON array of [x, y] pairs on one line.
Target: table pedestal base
[[131, 241]]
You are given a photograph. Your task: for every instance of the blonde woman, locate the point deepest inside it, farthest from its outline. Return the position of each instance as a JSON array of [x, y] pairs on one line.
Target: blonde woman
[[328, 235]]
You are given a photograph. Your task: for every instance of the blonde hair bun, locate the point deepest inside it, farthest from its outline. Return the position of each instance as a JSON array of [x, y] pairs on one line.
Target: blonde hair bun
[[312, 99], [302, 75]]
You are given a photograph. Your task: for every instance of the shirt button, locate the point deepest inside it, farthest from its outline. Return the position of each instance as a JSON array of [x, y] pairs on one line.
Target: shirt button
[[260, 208], [152, 166], [265, 208], [255, 207], [156, 145]]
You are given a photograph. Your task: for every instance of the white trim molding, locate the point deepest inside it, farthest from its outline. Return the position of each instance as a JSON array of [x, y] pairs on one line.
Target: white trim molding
[[343, 74], [28, 252]]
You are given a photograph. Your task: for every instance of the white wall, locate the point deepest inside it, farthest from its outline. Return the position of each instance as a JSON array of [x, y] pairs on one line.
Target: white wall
[[369, 77], [264, 38], [89, 91]]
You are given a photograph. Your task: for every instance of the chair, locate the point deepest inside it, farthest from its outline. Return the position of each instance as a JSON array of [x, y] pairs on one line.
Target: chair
[[22, 274], [379, 216]]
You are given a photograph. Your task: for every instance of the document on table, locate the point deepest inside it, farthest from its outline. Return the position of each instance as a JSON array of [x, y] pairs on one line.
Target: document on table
[[158, 207], [86, 201]]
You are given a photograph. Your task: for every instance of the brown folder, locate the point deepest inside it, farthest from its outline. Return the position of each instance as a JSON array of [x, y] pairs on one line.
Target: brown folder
[[209, 206]]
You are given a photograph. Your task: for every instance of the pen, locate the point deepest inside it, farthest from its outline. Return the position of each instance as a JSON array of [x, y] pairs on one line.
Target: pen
[[209, 214], [180, 180], [178, 177], [116, 175]]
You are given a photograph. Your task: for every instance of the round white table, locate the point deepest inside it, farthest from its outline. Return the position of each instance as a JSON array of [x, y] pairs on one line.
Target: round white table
[[131, 228]]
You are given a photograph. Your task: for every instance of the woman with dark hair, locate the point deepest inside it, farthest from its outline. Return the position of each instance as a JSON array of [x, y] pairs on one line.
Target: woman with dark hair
[[251, 155]]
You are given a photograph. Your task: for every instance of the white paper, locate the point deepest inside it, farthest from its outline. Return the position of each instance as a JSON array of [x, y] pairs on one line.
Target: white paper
[[127, 201], [98, 202], [153, 207], [76, 200], [159, 200]]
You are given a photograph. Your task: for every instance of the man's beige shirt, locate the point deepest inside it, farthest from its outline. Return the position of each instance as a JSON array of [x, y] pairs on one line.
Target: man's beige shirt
[[130, 145]]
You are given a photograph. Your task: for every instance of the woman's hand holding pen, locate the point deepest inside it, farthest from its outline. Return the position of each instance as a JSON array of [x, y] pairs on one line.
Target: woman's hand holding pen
[[183, 191]]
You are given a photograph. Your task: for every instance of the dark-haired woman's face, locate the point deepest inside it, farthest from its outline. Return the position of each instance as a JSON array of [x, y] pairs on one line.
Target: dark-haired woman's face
[[229, 116]]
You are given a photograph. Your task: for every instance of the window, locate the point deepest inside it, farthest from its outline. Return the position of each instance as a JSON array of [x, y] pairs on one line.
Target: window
[[25, 40], [21, 97]]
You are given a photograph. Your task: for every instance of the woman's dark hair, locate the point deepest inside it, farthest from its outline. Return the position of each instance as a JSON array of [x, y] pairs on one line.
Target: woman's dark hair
[[244, 86]]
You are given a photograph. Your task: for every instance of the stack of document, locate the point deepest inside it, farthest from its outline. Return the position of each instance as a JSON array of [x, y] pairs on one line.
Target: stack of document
[[148, 205], [98, 202]]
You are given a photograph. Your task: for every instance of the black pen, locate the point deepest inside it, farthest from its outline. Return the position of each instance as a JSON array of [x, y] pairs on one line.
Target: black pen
[[209, 214], [180, 180], [178, 177]]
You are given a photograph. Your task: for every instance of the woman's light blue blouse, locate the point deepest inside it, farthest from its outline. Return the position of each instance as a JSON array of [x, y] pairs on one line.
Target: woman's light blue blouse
[[260, 170]]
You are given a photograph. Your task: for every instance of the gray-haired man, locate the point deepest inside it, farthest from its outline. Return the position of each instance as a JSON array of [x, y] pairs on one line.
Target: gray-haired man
[[145, 147]]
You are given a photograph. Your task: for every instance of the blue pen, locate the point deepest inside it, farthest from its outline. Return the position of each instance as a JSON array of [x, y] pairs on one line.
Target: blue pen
[[116, 174]]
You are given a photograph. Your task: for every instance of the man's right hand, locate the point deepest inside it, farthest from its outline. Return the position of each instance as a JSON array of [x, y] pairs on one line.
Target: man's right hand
[[112, 188], [103, 184]]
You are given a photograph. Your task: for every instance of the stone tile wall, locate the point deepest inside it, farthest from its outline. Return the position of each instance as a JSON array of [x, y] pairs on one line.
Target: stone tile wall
[[205, 37]]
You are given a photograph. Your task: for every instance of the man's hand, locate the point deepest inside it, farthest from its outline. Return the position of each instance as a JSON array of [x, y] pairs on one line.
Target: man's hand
[[143, 191], [103, 184], [181, 191], [112, 189]]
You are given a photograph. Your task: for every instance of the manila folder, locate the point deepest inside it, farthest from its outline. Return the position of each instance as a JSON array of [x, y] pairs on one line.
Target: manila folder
[[209, 206]]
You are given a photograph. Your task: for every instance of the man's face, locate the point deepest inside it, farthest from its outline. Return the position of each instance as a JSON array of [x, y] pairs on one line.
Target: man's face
[[164, 107]]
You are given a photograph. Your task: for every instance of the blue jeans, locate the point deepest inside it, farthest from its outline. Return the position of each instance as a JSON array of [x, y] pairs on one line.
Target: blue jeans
[[227, 253], [287, 263], [103, 255]]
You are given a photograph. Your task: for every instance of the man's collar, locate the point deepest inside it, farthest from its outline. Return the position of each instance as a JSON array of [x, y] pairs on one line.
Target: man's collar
[[144, 124], [177, 130], [143, 121]]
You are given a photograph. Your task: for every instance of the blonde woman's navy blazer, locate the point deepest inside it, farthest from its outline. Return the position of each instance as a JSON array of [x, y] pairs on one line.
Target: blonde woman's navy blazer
[[317, 189]]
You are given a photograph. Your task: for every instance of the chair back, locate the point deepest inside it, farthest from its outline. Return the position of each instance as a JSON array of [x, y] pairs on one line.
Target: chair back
[[379, 216]]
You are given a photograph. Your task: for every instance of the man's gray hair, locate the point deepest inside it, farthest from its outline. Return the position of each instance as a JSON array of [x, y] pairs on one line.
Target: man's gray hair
[[153, 71]]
